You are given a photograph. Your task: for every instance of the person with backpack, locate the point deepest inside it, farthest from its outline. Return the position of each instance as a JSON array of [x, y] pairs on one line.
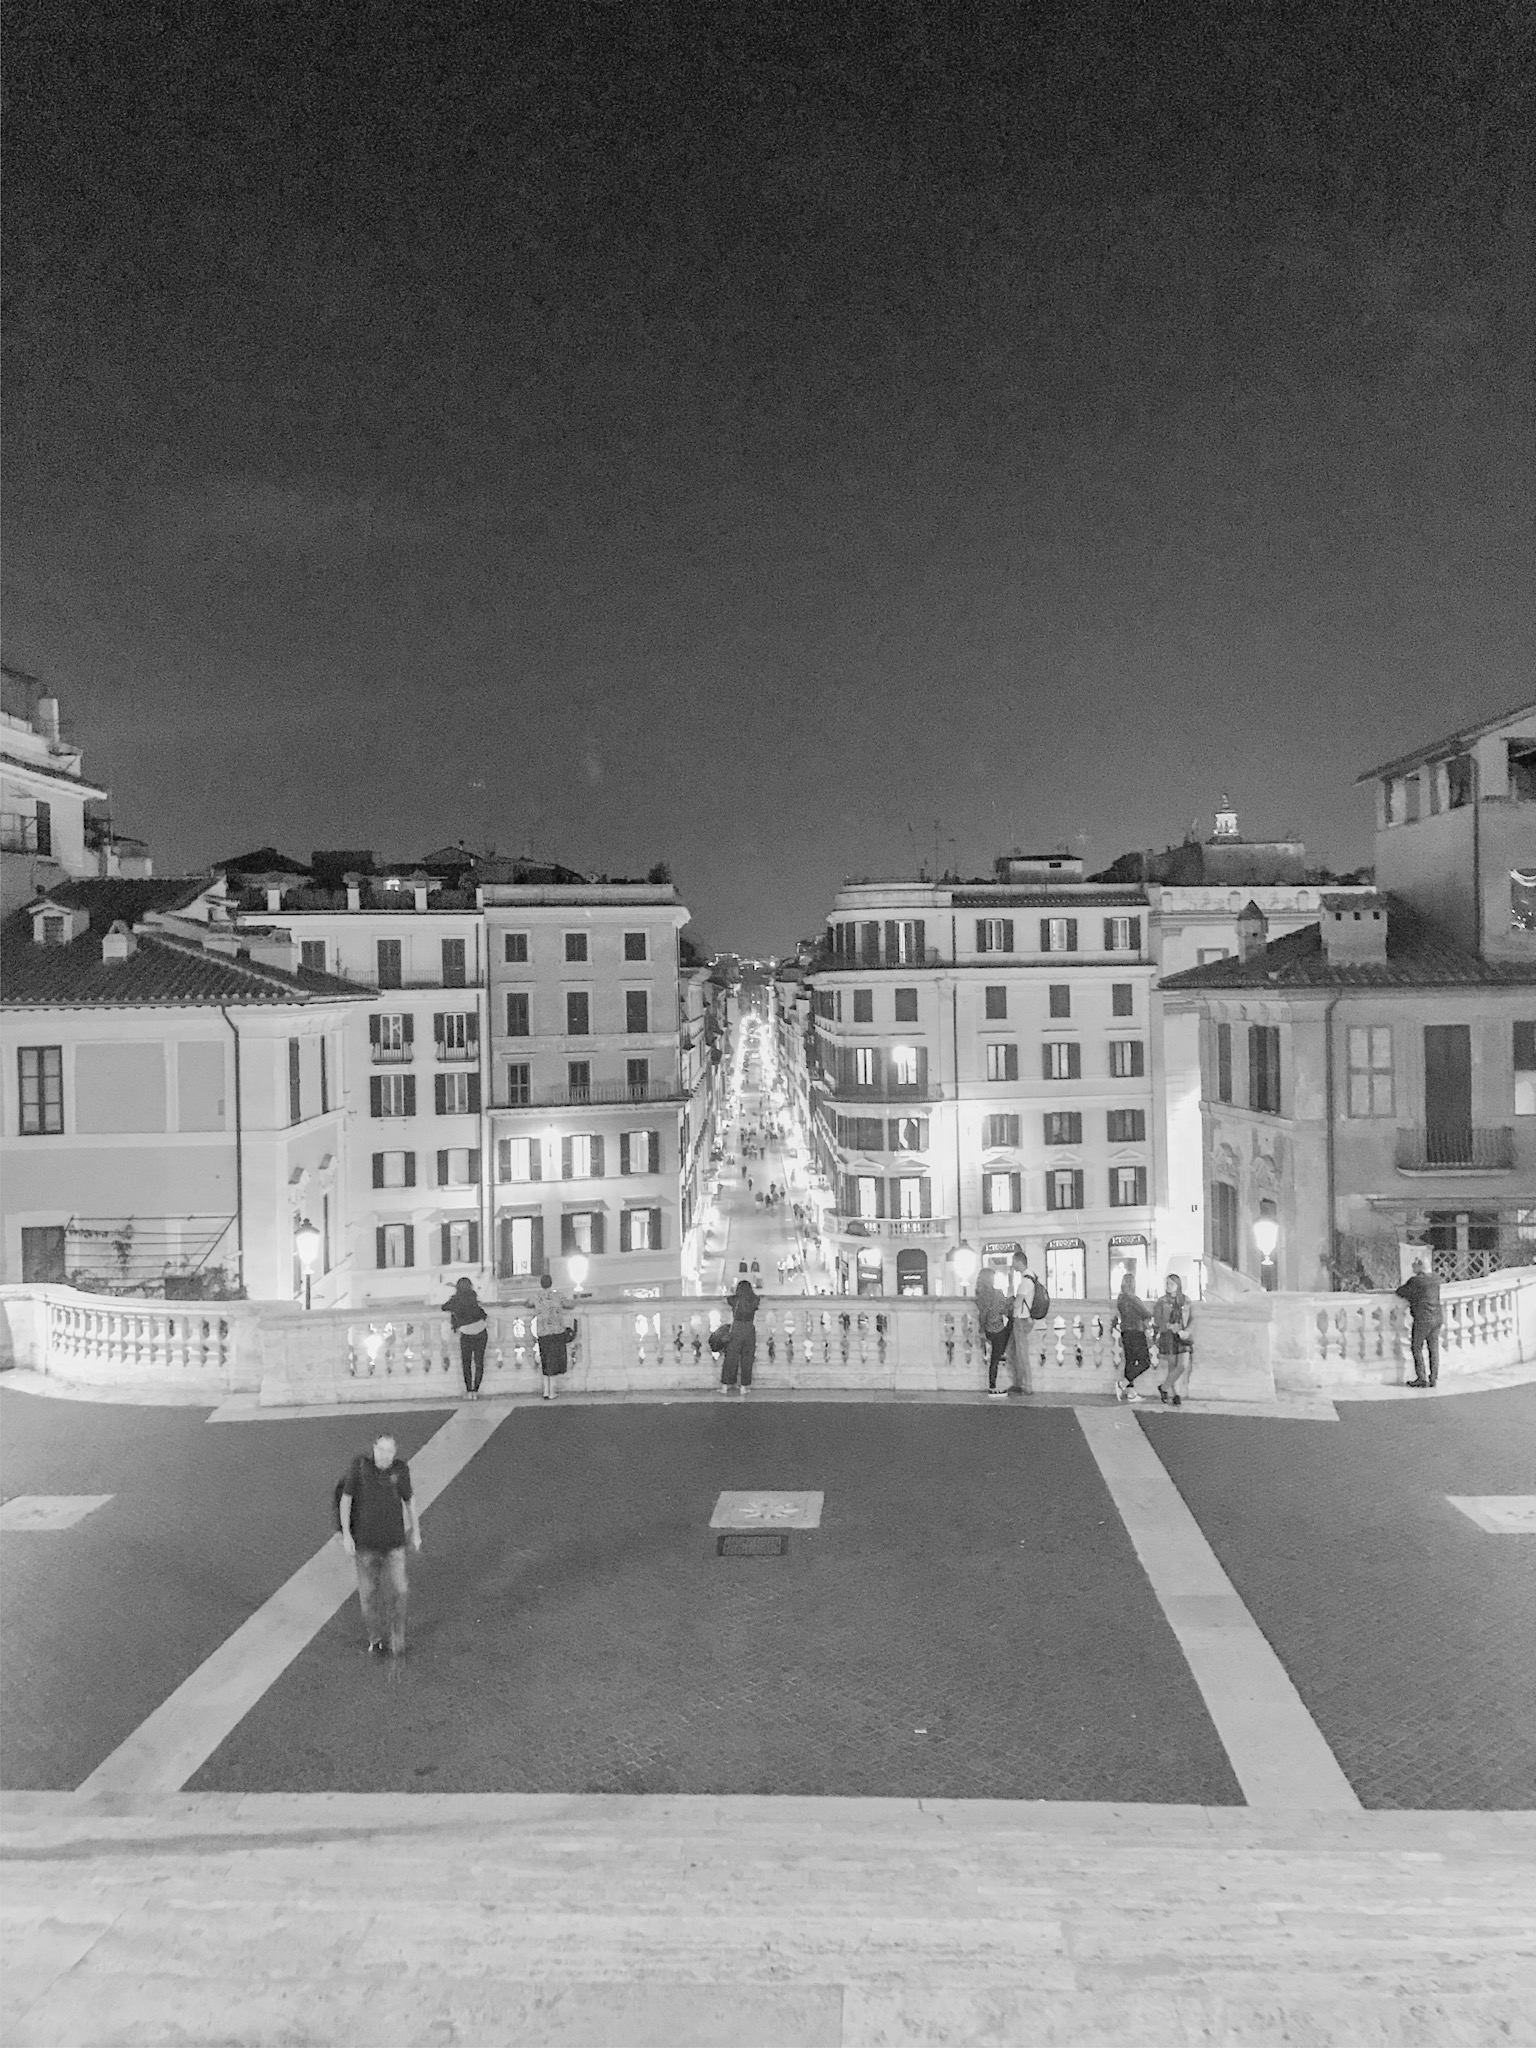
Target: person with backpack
[[741, 1343], [1031, 1305], [470, 1326], [1171, 1318], [375, 1513]]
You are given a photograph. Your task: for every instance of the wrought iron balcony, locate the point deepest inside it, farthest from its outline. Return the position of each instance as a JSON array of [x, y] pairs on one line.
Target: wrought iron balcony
[[658, 1089], [1456, 1148], [891, 1226]]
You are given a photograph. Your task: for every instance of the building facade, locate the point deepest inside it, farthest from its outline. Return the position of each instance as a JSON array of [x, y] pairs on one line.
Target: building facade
[[53, 824], [173, 1112], [983, 1073]]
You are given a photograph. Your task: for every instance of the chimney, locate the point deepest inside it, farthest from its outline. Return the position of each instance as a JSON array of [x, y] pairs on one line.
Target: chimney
[[274, 899], [1354, 930], [420, 895], [119, 943], [1252, 931], [354, 893], [47, 722]]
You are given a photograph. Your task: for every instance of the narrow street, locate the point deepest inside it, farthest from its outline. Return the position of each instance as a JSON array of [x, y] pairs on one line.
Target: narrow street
[[746, 1229]]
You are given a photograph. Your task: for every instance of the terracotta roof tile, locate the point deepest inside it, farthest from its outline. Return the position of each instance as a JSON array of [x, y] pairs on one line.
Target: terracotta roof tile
[[1419, 955]]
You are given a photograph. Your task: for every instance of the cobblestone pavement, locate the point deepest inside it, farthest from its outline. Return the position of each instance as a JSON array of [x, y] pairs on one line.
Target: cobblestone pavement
[[101, 1622], [574, 1629], [1409, 1632]]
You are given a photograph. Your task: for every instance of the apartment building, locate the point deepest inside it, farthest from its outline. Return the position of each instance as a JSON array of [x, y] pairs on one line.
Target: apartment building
[[1369, 1080], [983, 1072], [54, 825], [172, 1105], [602, 1081]]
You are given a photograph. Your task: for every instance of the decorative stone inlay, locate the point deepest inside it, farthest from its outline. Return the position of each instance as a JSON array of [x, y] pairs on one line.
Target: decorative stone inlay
[[49, 1511], [1501, 1514], [767, 1511]]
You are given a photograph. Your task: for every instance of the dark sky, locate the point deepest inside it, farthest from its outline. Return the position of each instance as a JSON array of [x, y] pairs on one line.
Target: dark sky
[[745, 435]]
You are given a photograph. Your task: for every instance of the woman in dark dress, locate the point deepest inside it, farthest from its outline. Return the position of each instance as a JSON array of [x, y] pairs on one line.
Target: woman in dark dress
[[741, 1344]]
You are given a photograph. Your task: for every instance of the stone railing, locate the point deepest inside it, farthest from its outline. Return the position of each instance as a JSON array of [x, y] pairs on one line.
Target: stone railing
[[1334, 1341], [408, 1351]]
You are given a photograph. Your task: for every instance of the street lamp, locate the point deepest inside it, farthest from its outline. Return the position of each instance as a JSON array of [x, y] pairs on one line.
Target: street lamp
[[967, 1265], [1266, 1235], [306, 1242], [577, 1266]]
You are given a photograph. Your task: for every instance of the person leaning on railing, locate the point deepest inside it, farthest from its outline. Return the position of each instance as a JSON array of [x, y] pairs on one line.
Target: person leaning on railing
[[1171, 1319]]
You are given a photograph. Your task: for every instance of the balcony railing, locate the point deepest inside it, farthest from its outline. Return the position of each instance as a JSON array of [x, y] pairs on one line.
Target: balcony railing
[[462, 1055], [891, 1226], [1456, 1148], [392, 1055], [888, 1091], [662, 1089]]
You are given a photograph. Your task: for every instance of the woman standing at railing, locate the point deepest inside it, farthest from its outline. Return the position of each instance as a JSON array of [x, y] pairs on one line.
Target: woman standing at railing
[[1171, 1318], [465, 1313], [741, 1343]]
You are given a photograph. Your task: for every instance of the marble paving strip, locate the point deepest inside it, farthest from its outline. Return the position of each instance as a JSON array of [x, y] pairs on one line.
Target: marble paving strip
[[1276, 1749], [175, 1740]]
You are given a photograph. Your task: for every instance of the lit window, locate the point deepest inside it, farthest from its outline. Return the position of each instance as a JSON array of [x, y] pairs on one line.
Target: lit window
[[1525, 1070], [1002, 1063], [868, 1189], [517, 1158], [904, 1066], [864, 1067], [1127, 1057]]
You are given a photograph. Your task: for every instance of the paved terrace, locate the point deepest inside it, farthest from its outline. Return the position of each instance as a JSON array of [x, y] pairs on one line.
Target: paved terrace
[[1063, 1724]]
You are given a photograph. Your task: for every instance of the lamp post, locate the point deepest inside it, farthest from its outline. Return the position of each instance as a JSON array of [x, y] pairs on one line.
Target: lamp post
[[577, 1266], [306, 1242], [967, 1265], [1266, 1235]]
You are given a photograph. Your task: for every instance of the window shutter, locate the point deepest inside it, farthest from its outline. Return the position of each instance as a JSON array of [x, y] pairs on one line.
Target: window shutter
[[472, 1031], [879, 1198], [535, 1158], [437, 1026], [378, 1169], [598, 1221], [1077, 1188], [925, 1196], [474, 1167], [1071, 934], [376, 1094], [565, 1173], [624, 1230], [442, 1169], [1138, 1057], [378, 1247], [410, 1169], [981, 935], [653, 1151], [410, 1094], [919, 943], [410, 1029], [1114, 1187], [536, 1257], [440, 1091], [1050, 1190], [446, 1231], [656, 1230], [1141, 1186], [986, 1194], [474, 1244], [410, 1244], [504, 1158], [624, 1166], [597, 1158], [474, 1094], [892, 942], [1074, 1061], [1011, 1063], [922, 1070], [1045, 1063], [1045, 935], [1136, 933], [374, 1022], [878, 1082], [567, 1236]]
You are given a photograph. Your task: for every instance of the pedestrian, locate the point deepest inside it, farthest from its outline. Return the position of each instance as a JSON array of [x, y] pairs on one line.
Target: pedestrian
[[1171, 1319], [1421, 1291], [377, 1514], [994, 1311], [553, 1331], [741, 1344], [1022, 1285], [464, 1312], [1131, 1318]]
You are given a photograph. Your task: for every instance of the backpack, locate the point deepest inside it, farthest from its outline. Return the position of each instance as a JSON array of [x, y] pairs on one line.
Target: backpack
[[347, 1483], [1040, 1307]]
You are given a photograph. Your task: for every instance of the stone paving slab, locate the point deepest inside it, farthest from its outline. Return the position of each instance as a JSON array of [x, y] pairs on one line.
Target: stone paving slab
[[844, 1924], [1409, 1632]]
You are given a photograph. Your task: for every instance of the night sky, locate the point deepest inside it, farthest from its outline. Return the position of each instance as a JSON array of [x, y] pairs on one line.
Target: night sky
[[746, 435]]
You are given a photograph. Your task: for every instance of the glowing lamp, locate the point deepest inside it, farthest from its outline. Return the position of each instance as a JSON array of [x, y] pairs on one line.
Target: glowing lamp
[[967, 1264], [578, 1266], [1266, 1235]]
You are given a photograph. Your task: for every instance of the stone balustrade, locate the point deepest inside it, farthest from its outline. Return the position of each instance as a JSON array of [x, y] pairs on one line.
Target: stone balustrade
[[1244, 1348]]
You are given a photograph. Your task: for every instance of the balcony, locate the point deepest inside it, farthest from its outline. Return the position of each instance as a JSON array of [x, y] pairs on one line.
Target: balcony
[[662, 1089], [458, 1055], [891, 1226], [888, 1091], [1456, 1148], [392, 1055]]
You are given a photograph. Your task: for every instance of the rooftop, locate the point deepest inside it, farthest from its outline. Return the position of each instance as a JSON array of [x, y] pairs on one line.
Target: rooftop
[[1419, 955], [161, 973], [1452, 743]]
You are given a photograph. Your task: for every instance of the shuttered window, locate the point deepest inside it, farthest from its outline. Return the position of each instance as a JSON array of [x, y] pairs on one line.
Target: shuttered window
[[1223, 1062], [517, 1013], [459, 1242], [1002, 1063], [1127, 1057], [1064, 1127], [1127, 1187], [1002, 1194], [395, 1245], [1264, 1068], [394, 1169], [519, 1159], [1058, 934], [1127, 1126], [1061, 1059], [392, 1094], [522, 1245], [640, 1230], [1002, 1130], [1064, 1187], [639, 1152]]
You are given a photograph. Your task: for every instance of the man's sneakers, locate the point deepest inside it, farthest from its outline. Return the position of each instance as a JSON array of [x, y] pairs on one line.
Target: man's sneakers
[[1122, 1388], [997, 1393], [1416, 1383]]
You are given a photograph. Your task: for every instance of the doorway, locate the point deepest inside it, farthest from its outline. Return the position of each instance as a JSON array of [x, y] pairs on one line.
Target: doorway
[[1066, 1270], [42, 1254]]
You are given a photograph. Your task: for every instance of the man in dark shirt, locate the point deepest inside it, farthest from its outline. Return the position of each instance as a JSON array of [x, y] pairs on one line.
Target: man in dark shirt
[[1421, 1291], [377, 1512]]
